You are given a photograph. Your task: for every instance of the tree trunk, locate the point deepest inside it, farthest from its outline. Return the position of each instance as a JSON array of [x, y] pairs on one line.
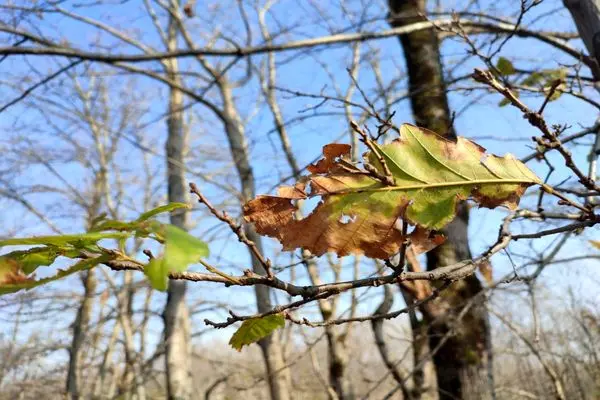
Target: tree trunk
[[176, 313], [278, 375], [80, 326], [586, 14], [424, 374], [337, 352], [463, 356], [336, 348], [393, 367]]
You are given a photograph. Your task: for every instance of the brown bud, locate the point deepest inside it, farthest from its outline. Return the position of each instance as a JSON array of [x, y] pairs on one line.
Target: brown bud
[[188, 10]]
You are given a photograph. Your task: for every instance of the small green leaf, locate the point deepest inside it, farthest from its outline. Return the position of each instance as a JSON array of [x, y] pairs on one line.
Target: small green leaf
[[114, 225], [158, 274], [28, 260], [505, 66], [162, 209], [550, 78], [533, 79], [12, 280], [252, 330], [553, 74], [181, 249], [557, 93], [61, 240]]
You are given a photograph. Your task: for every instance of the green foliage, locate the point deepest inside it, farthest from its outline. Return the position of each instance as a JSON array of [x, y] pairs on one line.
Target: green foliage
[[254, 329], [505, 66], [29, 260], [543, 80], [12, 279], [181, 249], [162, 209], [77, 241]]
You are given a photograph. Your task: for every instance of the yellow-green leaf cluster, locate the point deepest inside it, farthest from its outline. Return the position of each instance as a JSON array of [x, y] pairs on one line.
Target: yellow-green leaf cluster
[[17, 268]]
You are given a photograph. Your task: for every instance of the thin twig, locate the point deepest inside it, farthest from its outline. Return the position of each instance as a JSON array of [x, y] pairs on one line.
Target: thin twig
[[237, 229]]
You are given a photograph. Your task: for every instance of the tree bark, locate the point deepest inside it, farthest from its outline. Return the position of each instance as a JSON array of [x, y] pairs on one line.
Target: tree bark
[[463, 356], [176, 313], [337, 351], [586, 14], [377, 325], [80, 326]]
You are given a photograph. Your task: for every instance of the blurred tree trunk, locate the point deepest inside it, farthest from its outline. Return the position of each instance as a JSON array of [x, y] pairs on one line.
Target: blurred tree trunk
[[278, 375], [586, 14], [463, 356], [337, 352], [82, 319], [176, 313], [80, 327]]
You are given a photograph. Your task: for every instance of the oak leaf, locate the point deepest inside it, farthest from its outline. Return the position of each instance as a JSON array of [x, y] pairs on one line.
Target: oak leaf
[[360, 213]]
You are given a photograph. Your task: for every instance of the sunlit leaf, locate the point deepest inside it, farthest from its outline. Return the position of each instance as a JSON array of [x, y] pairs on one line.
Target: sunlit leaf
[[544, 80], [142, 226], [181, 250], [595, 243], [360, 214], [114, 225], [253, 330], [29, 260], [162, 209], [61, 240], [12, 279], [158, 274], [534, 79]]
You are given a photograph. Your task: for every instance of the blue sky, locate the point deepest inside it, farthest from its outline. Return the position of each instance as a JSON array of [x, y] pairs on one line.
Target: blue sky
[[310, 72]]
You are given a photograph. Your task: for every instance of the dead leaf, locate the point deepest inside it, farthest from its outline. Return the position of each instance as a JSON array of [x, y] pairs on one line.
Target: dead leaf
[[332, 153], [11, 273], [485, 267]]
